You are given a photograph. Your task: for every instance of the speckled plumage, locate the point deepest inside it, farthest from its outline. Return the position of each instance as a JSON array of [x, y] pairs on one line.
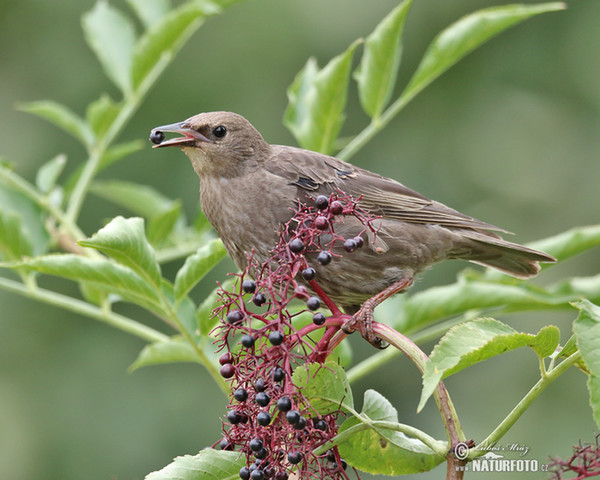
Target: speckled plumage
[[249, 189]]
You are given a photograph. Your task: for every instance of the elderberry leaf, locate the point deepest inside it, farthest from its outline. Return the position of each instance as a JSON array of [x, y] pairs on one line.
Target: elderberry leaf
[[325, 386], [150, 12], [174, 350], [473, 342], [208, 464], [205, 319], [49, 172], [101, 113], [379, 450], [14, 241]]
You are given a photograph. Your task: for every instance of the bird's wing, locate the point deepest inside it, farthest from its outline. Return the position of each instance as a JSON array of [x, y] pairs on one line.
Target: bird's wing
[[381, 196]]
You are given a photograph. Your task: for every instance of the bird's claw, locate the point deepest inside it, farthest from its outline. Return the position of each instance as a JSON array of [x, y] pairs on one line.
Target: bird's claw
[[362, 321]]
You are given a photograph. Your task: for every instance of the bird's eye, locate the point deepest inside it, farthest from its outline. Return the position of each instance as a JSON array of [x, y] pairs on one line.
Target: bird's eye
[[219, 131]]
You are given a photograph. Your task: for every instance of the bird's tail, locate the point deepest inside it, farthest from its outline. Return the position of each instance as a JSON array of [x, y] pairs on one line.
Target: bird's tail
[[508, 257]]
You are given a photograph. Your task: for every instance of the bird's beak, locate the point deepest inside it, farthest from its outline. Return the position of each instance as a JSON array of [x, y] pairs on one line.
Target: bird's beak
[[189, 138]]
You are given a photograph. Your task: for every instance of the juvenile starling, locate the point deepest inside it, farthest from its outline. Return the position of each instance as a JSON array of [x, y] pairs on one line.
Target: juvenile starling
[[249, 189]]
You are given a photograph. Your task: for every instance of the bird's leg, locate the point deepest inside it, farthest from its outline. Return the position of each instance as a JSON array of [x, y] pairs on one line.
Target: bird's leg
[[363, 319]]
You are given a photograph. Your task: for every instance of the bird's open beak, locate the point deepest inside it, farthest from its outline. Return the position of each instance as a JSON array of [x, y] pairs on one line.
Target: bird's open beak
[[189, 138]]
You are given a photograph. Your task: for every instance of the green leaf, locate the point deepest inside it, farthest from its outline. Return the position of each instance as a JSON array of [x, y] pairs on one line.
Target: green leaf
[[376, 75], [196, 266], [466, 35], [317, 99], [570, 243], [14, 241], [124, 240], [325, 386], [118, 151], [140, 199], [103, 274], [165, 38], [62, 117], [162, 224], [209, 464], [101, 114], [473, 342], [49, 172], [379, 450], [150, 12], [593, 384], [175, 350], [204, 315], [111, 36]]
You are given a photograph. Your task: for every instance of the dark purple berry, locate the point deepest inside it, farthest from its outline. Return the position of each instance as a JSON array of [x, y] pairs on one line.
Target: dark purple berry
[[261, 454], [281, 476], [233, 417], [324, 257], [257, 474], [227, 370], [331, 455], [269, 472], [313, 303], [235, 316], [263, 419], [225, 445], [319, 319], [157, 137], [260, 385], [309, 274], [244, 473], [294, 457], [322, 202], [350, 245], [359, 241], [292, 417], [284, 404], [226, 358], [240, 394], [255, 444], [262, 399], [336, 207], [320, 424], [247, 341], [301, 291], [321, 222], [300, 424], [248, 286], [276, 338], [342, 463], [259, 299], [278, 374], [297, 245]]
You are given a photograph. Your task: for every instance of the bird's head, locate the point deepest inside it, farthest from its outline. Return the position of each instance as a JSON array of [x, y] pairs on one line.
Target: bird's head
[[217, 143]]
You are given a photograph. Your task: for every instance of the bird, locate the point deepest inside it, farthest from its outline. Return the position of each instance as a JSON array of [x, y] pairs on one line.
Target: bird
[[249, 189]]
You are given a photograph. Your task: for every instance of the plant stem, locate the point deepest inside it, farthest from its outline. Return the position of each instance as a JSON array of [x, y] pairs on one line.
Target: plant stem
[[74, 305], [525, 402]]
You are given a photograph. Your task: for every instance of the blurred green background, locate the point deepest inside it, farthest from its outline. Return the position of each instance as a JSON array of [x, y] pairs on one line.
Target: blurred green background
[[510, 135]]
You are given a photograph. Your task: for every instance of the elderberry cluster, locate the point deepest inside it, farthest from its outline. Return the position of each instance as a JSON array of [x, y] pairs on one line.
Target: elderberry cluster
[[264, 341]]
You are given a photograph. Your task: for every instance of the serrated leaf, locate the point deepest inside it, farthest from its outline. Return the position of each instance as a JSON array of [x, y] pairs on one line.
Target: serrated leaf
[[162, 224], [101, 114], [205, 319], [378, 70], [325, 386], [196, 266], [49, 172], [587, 333], [317, 99], [111, 36], [124, 240], [473, 342], [166, 37], [570, 243], [176, 350], [209, 464], [103, 274], [140, 199], [593, 384], [466, 35], [378, 450], [150, 12], [62, 117], [14, 241]]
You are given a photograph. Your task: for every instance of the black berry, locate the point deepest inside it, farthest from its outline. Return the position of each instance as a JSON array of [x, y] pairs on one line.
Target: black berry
[[276, 338], [297, 245], [336, 207], [244, 473], [300, 424], [292, 417], [359, 241], [324, 257], [225, 445], [157, 137], [278, 374], [248, 286], [262, 399], [320, 424], [331, 455], [294, 457], [263, 419], [342, 463], [350, 245], [257, 474], [227, 370], [235, 316], [313, 303], [321, 222], [247, 341], [322, 202], [233, 417], [309, 274], [319, 319], [226, 358], [261, 454], [255, 444], [259, 299], [284, 404], [260, 385], [240, 394], [281, 476]]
